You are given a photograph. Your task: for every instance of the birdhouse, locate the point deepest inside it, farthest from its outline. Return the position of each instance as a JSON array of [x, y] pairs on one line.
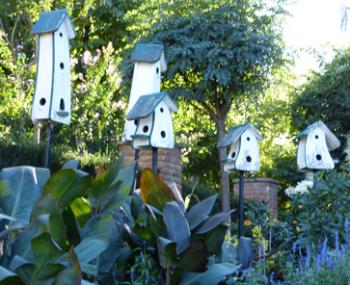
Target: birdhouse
[[315, 142], [52, 96], [149, 62], [151, 116], [243, 152]]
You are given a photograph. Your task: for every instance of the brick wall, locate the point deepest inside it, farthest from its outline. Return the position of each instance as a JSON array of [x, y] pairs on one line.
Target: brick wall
[[261, 190], [169, 162]]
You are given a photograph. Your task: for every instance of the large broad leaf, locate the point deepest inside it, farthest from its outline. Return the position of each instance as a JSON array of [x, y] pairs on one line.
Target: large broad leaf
[[200, 212], [215, 238], [88, 250], [193, 259], [228, 252], [20, 189], [58, 229], [61, 189], [154, 191], [72, 274], [213, 222], [4, 273], [177, 226], [33, 275], [213, 275], [109, 190], [44, 250], [12, 280], [166, 252]]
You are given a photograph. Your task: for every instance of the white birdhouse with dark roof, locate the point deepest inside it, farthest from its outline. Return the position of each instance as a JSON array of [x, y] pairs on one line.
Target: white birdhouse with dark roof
[[243, 152], [52, 96], [151, 116], [149, 62], [315, 142]]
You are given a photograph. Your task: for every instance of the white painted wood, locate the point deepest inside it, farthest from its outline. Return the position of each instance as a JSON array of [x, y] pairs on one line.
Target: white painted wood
[[317, 154], [61, 97], [42, 93], [163, 133], [248, 158], [146, 80], [143, 132], [301, 157], [229, 164]]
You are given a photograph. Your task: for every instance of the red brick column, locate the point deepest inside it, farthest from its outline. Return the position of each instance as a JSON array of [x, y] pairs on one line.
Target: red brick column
[[169, 161], [261, 190]]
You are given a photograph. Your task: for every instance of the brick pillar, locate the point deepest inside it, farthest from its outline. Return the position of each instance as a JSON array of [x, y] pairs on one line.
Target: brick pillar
[[169, 162], [261, 190]]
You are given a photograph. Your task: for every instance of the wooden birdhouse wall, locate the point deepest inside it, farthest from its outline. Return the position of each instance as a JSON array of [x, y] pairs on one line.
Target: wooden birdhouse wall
[[61, 97], [232, 156], [146, 80], [248, 158], [143, 132], [43, 83], [301, 157], [317, 154], [163, 133]]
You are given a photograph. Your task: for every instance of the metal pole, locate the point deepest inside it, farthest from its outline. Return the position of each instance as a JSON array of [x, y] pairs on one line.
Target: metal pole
[[47, 158], [241, 203], [136, 157], [155, 160]]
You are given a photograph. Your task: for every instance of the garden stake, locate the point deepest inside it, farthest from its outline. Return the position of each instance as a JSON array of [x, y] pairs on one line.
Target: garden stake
[[241, 203], [155, 160], [136, 157], [47, 157]]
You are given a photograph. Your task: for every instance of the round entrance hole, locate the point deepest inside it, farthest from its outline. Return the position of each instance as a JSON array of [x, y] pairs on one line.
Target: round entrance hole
[[42, 101], [248, 158], [62, 105], [233, 154], [318, 157], [161, 110], [145, 129], [162, 133], [61, 65], [248, 139]]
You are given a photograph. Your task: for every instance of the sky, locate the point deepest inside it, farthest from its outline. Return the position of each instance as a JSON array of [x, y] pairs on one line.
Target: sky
[[315, 25]]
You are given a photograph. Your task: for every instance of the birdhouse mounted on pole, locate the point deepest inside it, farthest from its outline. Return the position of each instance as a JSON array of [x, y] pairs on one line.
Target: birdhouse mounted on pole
[[52, 97], [315, 142], [151, 116], [149, 62], [243, 152]]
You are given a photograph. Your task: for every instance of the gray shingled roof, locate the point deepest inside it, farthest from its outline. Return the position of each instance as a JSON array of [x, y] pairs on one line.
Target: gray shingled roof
[[235, 133], [331, 140], [51, 21], [147, 53], [146, 104]]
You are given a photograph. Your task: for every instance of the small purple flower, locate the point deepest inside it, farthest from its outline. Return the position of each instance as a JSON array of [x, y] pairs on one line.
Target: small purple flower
[[272, 278], [294, 247]]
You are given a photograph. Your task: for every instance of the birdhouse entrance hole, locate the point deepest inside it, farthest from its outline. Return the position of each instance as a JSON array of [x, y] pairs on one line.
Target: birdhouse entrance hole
[[145, 129], [249, 159], [62, 106], [42, 101], [319, 157], [162, 133], [61, 65], [233, 154]]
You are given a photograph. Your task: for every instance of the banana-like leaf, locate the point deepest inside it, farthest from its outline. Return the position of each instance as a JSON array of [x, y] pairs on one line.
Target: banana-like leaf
[[61, 189], [200, 211], [154, 191], [72, 274], [177, 227], [4, 273], [228, 252], [213, 275], [12, 280], [213, 222], [166, 252], [58, 229], [215, 238], [20, 188]]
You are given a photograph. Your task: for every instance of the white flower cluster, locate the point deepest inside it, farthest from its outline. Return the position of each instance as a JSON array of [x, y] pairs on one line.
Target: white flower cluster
[[300, 188]]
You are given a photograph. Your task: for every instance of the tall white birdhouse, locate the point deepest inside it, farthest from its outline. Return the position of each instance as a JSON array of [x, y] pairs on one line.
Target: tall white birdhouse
[[151, 116], [149, 62], [315, 142], [243, 152], [52, 96]]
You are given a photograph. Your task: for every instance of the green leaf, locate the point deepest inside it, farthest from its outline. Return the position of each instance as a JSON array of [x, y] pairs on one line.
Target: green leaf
[[4, 273], [58, 229], [177, 227], [154, 191], [82, 210], [72, 274], [215, 239], [166, 252], [213, 275], [33, 275], [228, 252], [20, 189], [61, 189], [12, 280], [73, 234], [213, 222], [200, 211]]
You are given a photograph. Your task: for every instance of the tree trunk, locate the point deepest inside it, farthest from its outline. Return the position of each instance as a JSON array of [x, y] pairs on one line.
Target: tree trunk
[[224, 180]]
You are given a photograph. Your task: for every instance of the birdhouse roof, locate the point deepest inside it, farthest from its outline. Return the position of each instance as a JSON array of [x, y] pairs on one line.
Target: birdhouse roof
[[51, 21], [146, 104], [150, 53], [331, 140], [235, 133]]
